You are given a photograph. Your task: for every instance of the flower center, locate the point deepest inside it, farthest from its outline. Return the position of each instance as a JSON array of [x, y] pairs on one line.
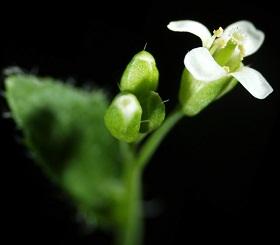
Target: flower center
[[228, 53]]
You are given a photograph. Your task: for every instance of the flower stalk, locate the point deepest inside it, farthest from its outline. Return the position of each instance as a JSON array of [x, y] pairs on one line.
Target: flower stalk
[[130, 227]]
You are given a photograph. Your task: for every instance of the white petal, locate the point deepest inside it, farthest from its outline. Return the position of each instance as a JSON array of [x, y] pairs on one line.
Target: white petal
[[253, 38], [200, 63], [191, 26], [253, 81]]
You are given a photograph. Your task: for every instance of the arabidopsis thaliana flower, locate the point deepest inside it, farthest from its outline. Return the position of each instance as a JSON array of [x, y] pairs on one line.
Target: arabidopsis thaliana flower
[[222, 53]]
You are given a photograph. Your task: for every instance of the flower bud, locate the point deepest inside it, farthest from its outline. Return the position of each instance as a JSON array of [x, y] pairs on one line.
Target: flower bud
[[141, 74], [123, 117], [153, 111]]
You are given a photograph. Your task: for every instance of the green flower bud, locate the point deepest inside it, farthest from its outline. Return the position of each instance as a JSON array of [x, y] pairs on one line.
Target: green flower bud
[[141, 74], [195, 95], [153, 111], [123, 117]]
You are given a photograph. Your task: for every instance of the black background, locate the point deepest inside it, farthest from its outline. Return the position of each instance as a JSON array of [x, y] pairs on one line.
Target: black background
[[215, 177]]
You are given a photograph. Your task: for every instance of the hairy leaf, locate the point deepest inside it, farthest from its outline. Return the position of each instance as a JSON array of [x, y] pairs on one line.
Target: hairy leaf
[[64, 129]]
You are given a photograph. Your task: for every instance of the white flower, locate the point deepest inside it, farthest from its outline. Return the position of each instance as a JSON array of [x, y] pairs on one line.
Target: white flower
[[223, 52]]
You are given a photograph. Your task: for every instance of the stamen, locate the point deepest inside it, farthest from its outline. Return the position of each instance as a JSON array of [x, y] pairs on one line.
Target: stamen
[[216, 34], [219, 32], [238, 37], [242, 51]]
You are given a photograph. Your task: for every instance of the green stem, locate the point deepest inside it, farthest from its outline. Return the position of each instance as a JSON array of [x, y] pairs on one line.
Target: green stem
[[130, 230], [130, 210], [155, 139]]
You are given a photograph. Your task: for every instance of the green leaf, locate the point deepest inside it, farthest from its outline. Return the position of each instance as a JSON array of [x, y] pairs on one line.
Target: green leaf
[[64, 129]]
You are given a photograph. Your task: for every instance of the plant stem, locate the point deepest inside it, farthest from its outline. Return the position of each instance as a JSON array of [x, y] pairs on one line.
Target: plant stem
[[130, 226], [130, 232], [155, 139]]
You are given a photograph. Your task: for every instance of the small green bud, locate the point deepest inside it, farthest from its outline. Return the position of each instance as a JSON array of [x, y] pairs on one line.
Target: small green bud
[[153, 112], [123, 117], [195, 95], [141, 74]]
